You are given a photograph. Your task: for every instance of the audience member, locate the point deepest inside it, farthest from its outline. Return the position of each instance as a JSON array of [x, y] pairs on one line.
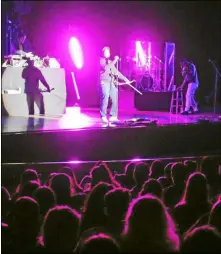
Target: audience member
[[205, 239], [164, 182], [210, 168], [5, 204], [93, 210], [116, 203], [126, 180], [24, 226], [74, 183], [190, 167], [156, 169], [60, 231], [101, 243], [86, 183], [215, 216], [77, 201], [149, 227], [141, 175], [46, 199], [29, 189], [102, 173], [27, 176], [61, 184], [152, 187], [173, 193], [167, 171], [5, 238], [194, 204]]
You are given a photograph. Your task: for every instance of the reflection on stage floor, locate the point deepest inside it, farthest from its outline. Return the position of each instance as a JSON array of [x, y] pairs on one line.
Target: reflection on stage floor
[[89, 118]]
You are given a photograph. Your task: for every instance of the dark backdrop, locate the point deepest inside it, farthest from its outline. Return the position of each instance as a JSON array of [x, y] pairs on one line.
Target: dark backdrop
[[193, 25]]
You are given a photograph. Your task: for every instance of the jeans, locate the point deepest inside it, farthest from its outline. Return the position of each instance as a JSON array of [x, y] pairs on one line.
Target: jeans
[[190, 101], [108, 89], [37, 98]]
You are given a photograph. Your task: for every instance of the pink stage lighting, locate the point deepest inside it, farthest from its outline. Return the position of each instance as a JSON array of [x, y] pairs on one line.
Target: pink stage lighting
[[74, 162], [74, 119], [136, 160], [149, 56], [76, 52], [140, 55]]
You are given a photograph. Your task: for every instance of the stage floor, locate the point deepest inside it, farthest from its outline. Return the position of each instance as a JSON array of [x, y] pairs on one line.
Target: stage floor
[[90, 119]]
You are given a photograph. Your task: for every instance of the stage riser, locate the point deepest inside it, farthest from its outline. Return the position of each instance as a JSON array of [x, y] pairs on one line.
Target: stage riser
[[112, 144], [158, 101]]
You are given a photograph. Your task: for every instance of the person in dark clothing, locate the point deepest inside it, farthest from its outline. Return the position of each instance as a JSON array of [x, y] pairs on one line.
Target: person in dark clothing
[[190, 76], [173, 193], [205, 239], [32, 76], [194, 203], [126, 180], [141, 175], [116, 204]]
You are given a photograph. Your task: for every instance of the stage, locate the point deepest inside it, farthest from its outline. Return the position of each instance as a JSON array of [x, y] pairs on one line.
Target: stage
[[90, 119], [83, 137]]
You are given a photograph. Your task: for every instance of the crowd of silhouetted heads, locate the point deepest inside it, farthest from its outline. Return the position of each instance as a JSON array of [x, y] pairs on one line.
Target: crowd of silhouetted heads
[[151, 207]]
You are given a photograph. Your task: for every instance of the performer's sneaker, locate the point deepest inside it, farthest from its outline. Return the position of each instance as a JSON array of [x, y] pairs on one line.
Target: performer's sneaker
[[196, 112], [185, 113], [114, 119], [104, 119]]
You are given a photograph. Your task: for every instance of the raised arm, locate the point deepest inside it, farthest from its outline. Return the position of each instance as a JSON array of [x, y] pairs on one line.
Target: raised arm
[[192, 70], [185, 77]]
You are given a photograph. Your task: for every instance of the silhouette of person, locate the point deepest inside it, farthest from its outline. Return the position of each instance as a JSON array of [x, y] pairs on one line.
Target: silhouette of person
[[21, 45], [32, 76]]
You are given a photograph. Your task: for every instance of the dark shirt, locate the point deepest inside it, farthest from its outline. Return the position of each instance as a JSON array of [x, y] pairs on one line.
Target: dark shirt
[[125, 181], [32, 76], [173, 194], [186, 215], [135, 191], [190, 74]]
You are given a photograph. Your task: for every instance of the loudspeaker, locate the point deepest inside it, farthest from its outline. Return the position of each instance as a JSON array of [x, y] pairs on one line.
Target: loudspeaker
[[157, 101]]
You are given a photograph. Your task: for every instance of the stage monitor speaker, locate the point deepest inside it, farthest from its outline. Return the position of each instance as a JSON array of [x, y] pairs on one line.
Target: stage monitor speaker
[[153, 101]]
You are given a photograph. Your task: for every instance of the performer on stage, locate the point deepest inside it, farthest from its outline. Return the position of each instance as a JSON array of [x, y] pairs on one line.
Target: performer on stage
[[21, 46], [108, 76], [32, 76], [191, 79]]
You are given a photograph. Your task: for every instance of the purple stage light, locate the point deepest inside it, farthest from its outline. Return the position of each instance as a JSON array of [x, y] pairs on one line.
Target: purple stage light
[[76, 52], [149, 56], [140, 55], [136, 160], [74, 119], [74, 162], [73, 111]]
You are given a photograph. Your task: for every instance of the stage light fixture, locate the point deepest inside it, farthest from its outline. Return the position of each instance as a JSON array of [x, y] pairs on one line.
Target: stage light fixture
[[76, 52]]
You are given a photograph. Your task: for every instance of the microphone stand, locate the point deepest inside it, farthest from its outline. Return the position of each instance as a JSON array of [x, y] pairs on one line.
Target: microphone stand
[[117, 67], [215, 87]]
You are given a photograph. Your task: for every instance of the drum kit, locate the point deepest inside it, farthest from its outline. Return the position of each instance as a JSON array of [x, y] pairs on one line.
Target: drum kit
[[150, 76]]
